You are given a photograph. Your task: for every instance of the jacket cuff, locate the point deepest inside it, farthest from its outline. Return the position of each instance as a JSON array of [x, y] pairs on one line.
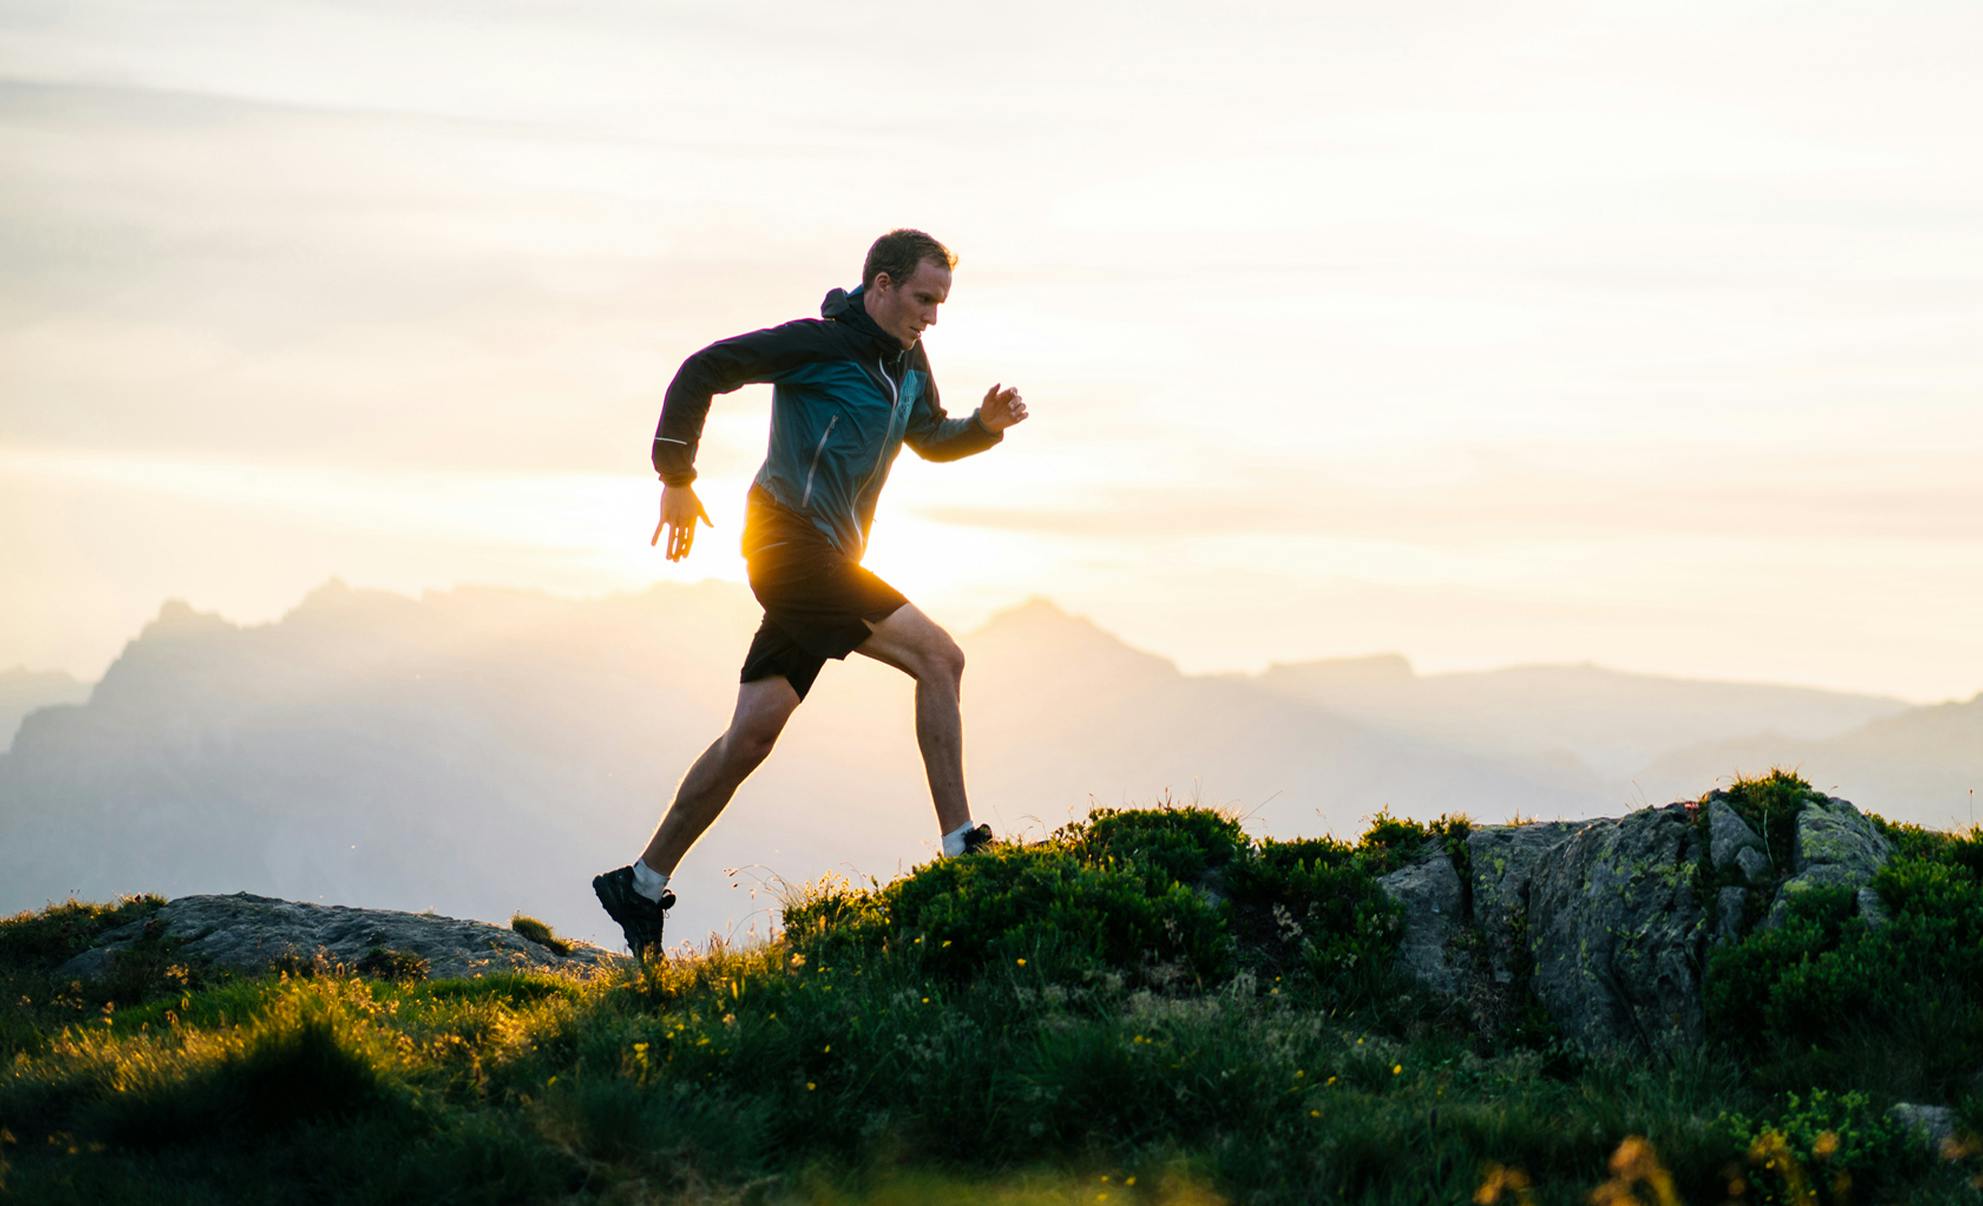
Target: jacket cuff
[[977, 416]]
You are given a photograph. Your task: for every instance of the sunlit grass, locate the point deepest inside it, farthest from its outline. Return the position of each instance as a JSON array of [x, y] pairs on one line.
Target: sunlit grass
[[860, 1058]]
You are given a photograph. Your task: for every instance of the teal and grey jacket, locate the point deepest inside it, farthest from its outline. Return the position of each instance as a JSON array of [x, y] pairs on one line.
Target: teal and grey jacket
[[845, 397]]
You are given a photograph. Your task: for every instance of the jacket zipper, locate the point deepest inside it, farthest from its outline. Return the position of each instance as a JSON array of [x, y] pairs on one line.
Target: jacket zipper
[[894, 401], [814, 468]]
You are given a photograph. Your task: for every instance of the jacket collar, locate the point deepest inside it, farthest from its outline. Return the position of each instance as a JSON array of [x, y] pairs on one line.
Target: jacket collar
[[851, 309]]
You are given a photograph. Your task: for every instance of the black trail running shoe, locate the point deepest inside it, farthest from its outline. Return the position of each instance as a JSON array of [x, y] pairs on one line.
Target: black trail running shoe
[[976, 840], [639, 918]]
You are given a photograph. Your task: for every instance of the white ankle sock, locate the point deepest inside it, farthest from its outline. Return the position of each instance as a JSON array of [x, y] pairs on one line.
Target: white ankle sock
[[647, 881], [953, 842]]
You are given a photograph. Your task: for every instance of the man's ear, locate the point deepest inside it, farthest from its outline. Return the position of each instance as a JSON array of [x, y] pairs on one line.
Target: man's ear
[[881, 281]]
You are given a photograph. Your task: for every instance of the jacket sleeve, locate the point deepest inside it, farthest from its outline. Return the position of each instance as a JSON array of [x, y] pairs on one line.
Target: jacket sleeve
[[937, 438], [753, 359]]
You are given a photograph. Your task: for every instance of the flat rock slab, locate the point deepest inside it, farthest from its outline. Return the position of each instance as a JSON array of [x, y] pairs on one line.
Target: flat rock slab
[[254, 934]]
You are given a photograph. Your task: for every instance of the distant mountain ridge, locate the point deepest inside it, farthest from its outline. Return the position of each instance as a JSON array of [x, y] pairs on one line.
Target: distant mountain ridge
[[1614, 721], [23, 691], [482, 749]]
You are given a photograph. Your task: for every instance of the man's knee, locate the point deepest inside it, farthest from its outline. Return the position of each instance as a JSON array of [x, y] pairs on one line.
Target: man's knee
[[759, 720], [943, 659], [750, 743], [910, 642]]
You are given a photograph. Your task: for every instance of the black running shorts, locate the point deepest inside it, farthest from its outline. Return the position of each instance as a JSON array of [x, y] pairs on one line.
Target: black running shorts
[[814, 596]]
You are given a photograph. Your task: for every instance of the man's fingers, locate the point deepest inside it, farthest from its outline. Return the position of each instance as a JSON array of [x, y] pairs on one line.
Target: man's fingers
[[656, 539]]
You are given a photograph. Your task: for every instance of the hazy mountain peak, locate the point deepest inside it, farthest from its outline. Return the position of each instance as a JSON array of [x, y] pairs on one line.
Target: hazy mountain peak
[[333, 589], [176, 617], [337, 596], [1042, 633], [1040, 618], [1037, 610]]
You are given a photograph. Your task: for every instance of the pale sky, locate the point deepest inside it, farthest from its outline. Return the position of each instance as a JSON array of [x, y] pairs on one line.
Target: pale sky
[[1649, 335]]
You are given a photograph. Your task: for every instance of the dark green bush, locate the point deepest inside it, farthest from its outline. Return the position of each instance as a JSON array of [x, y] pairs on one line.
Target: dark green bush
[[1836, 1145], [56, 933], [1116, 891], [1770, 805], [1314, 908], [1174, 844], [1391, 843], [1064, 916], [1822, 996]]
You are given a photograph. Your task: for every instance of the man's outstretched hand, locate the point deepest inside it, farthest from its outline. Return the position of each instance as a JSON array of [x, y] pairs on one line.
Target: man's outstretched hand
[[1002, 409], [679, 510]]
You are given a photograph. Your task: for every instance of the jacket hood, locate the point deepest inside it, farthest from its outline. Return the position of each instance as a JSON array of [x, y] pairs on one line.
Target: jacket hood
[[848, 307]]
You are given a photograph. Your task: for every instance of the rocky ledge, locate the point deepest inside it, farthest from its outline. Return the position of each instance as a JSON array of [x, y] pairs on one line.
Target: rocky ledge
[[252, 934], [1605, 925]]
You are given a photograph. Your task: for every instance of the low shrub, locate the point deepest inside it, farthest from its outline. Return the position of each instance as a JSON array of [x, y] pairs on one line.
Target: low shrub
[[1066, 917], [1175, 845], [1770, 805], [49, 936], [1391, 843], [1824, 1146], [1816, 994], [1314, 908]]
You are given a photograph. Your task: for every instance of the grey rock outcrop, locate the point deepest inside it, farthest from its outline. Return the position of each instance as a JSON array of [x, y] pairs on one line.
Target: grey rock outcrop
[[1836, 847], [1429, 889], [1729, 835], [1502, 860], [1616, 932], [1872, 908], [251, 934], [1602, 923], [1731, 907], [1754, 865]]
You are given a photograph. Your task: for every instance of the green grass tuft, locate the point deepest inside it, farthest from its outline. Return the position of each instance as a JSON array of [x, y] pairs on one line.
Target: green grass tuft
[[540, 933]]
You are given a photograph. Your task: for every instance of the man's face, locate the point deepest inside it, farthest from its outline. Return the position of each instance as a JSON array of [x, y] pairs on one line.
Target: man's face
[[904, 310]]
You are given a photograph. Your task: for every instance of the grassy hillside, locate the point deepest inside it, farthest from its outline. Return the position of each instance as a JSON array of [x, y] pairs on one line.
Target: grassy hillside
[[1147, 1007]]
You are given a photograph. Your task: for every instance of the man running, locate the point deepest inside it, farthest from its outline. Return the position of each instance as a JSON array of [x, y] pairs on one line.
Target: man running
[[848, 390]]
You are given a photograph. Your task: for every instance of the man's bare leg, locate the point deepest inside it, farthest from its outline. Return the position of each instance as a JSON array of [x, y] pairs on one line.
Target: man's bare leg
[[912, 643], [763, 707]]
